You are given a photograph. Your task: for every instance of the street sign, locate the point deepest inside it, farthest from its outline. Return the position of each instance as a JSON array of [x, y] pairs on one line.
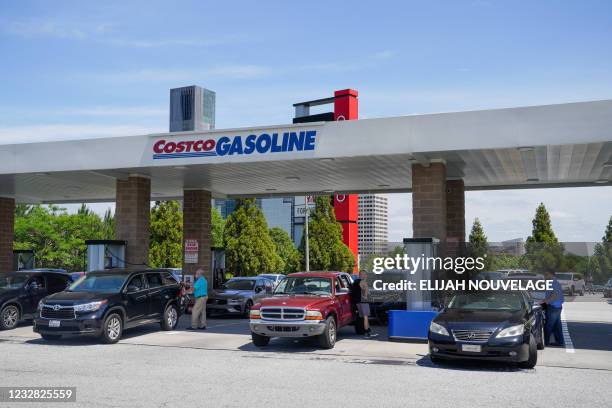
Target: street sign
[[191, 251]]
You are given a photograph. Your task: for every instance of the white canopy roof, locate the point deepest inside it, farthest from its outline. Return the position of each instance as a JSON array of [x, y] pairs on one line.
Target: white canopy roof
[[540, 146]]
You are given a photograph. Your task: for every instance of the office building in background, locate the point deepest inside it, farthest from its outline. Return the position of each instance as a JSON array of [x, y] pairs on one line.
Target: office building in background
[[373, 227]]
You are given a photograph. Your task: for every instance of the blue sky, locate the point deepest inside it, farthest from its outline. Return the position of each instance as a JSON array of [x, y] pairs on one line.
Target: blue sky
[[84, 69]]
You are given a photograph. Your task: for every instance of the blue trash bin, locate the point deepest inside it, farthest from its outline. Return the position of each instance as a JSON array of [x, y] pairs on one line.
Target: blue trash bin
[[409, 324]]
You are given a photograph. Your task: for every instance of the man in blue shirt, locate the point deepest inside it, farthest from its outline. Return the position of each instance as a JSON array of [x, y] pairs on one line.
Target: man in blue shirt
[[200, 293], [554, 306]]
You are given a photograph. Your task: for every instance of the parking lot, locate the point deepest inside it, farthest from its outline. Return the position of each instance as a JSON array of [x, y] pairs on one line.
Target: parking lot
[[221, 367]]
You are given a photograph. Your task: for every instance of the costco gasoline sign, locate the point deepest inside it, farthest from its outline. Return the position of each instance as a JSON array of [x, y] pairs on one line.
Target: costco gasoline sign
[[254, 144]]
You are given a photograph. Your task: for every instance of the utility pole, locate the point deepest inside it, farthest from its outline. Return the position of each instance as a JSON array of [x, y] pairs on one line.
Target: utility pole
[[306, 249]]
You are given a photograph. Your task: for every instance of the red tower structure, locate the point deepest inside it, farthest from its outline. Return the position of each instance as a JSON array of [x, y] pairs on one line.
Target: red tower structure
[[346, 206]]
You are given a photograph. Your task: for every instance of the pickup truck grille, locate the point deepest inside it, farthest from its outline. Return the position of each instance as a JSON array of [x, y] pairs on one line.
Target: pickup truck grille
[[477, 336], [64, 312], [282, 313]]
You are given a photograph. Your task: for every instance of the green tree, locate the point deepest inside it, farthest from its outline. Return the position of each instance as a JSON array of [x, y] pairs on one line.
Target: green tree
[[108, 225], [57, 238], [217, 226], [290, 257], [602, 265], [327, 251], [544, 251], [478, 246], [166, 235], [249, 249]]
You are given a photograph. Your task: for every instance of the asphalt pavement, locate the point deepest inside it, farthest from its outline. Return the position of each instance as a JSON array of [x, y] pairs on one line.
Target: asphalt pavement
[[220, 367]]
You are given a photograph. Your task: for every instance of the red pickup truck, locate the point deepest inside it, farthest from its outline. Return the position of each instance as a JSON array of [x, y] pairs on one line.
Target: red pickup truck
[[305, 304]]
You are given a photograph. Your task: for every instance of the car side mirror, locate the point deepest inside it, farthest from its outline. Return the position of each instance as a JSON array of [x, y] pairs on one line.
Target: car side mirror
[[132, 288], [258, 289], [33, 286]]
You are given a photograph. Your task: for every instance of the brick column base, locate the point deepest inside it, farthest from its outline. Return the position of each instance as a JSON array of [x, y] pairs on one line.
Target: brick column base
[[7, 232], [429, 201], [132, 218], [197, 226]]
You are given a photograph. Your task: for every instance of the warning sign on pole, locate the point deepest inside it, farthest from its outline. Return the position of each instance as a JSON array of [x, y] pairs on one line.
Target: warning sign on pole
[[191, 251]]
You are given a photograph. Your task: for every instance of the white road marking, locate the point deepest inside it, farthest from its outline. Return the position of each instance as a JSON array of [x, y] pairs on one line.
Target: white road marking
[[567, 339]]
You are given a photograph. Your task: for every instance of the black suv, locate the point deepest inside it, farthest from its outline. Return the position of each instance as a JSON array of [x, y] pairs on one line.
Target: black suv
[[21, 291], [107, 302]]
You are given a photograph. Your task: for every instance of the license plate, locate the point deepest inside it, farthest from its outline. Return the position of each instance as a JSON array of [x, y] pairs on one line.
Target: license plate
[[472, 348], [54, 323]]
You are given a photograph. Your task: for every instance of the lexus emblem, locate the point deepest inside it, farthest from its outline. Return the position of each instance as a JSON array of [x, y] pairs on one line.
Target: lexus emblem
[[56, 307]]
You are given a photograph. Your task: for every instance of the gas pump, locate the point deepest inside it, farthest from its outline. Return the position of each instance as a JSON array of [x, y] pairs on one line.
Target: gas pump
[[23, 259], [105, 254]]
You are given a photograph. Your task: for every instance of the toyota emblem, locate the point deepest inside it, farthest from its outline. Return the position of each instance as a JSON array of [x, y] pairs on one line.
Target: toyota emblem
[[56, 307], [471, 336]]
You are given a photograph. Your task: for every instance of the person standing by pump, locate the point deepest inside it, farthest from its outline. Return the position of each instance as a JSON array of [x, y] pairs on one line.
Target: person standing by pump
[[360, 297], [554, 305], [200, 293]]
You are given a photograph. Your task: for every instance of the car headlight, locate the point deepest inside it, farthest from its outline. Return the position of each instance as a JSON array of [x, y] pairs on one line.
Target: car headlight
[[313, 315], [254, 314], [438, 329], [512, 331], [89, 307]]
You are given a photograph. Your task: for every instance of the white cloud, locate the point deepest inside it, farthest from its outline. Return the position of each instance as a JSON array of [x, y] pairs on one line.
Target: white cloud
[[172, 42], [85, 111], [57, 29], [106, 33], [577, 214], [190, 75], [44, 133], [386, 54]]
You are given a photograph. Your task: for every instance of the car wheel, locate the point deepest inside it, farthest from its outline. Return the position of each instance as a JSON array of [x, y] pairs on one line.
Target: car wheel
[[327, 340], [170, 319], [9, 317], [259, 340], [541, 343], [112, 328], [571, 292], [247, 308], [51, 337], [533, 355]]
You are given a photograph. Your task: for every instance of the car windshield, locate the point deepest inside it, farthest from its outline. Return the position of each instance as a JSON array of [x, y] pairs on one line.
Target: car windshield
[[109, 283], [564, 276], [239, 284], [493, 301], [304, 286], [13, 280]]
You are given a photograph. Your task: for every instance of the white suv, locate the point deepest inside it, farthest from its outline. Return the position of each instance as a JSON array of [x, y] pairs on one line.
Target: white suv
[[571, 282]]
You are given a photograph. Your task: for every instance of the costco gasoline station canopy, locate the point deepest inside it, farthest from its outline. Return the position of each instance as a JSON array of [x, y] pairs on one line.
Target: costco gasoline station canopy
[[436, 156]]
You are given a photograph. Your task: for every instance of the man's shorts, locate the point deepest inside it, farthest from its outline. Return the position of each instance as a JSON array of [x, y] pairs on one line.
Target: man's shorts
[[363, 309]]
